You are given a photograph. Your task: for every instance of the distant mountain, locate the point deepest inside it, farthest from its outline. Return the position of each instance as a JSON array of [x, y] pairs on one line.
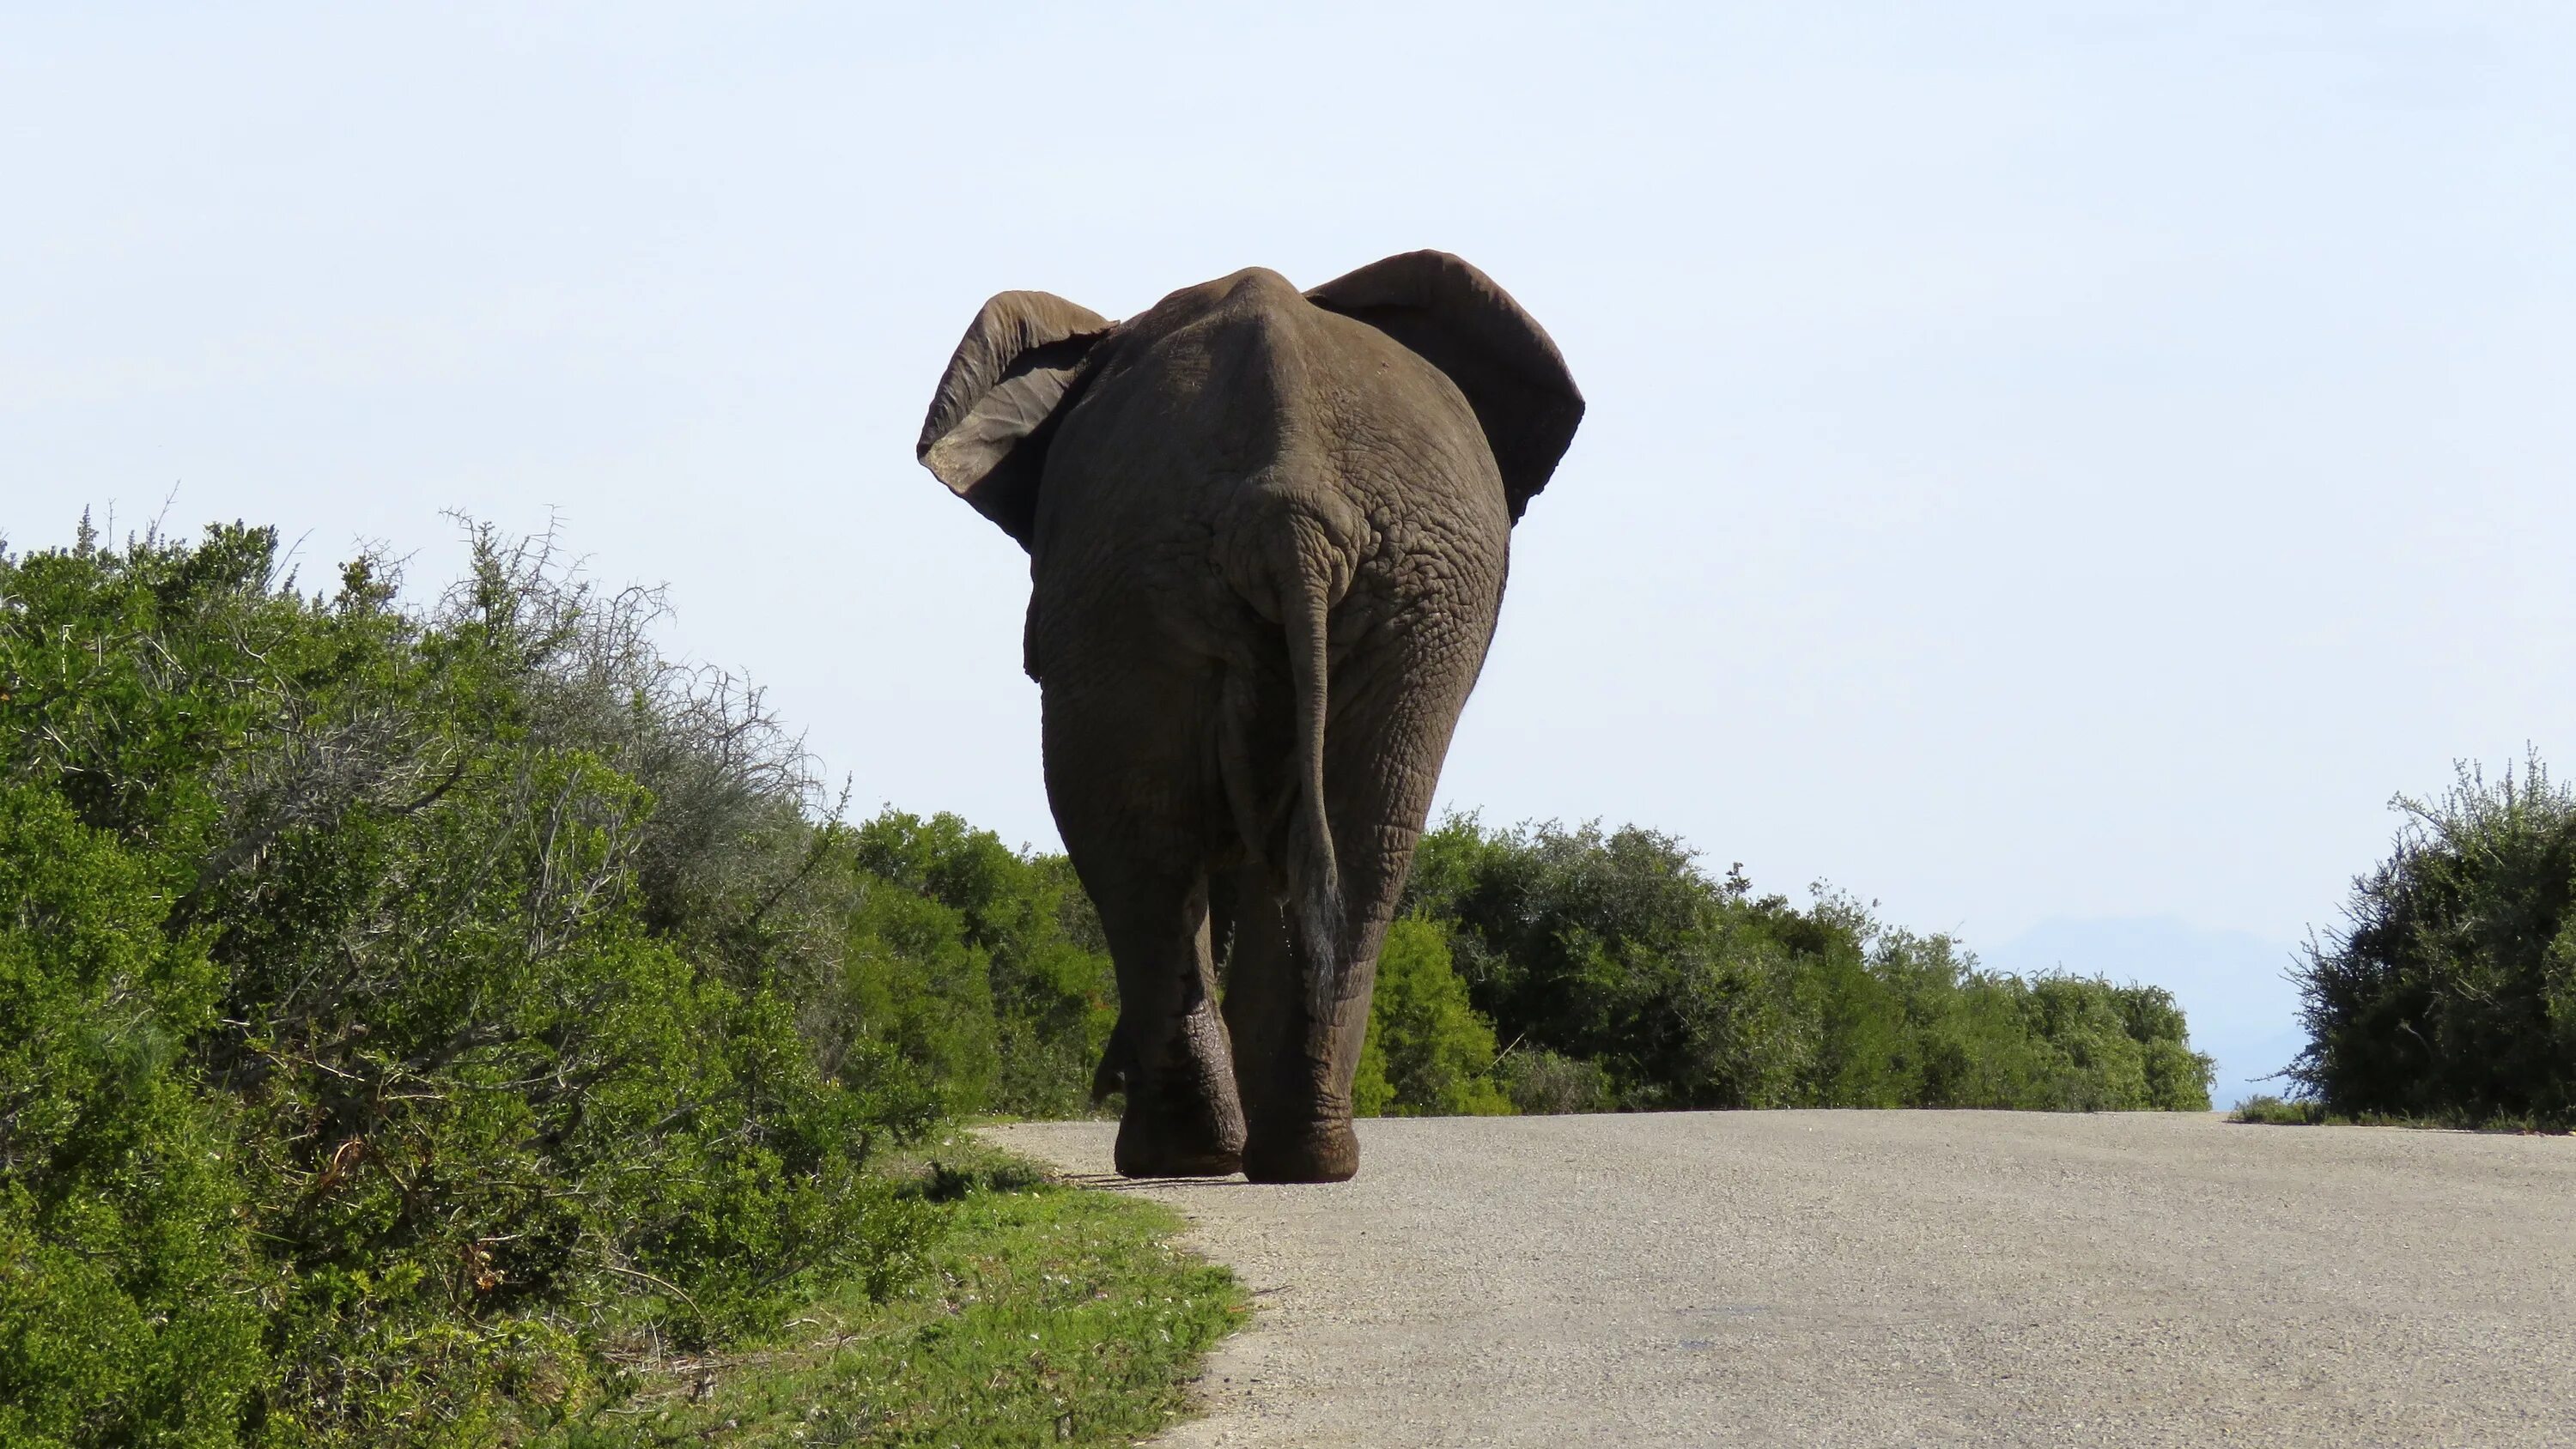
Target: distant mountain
[[2234, 987]]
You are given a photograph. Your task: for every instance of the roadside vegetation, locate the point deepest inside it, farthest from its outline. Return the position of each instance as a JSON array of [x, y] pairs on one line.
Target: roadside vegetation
[[1042, 1314], [414, 1015], [1619, 976], [457, 1024], [2449, 996], [2274, 1111]]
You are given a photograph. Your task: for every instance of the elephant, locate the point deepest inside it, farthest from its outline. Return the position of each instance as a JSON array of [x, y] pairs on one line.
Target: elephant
[[1267, 535]]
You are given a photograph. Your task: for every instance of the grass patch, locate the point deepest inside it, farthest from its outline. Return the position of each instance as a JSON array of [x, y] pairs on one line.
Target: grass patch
[[1046, 1314], [2287, 1112]]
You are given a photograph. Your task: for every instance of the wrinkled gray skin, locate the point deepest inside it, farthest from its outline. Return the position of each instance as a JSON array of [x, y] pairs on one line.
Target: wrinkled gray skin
[[1267, 535]]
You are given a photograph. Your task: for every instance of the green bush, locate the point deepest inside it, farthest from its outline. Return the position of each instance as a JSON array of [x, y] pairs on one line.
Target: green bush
[[125, 1276], [2274, 1111], [2451, 994], [916, 985], [1674, 990], [1427, 1052], [1051, 991], [1542, 1083], [405, 1007]]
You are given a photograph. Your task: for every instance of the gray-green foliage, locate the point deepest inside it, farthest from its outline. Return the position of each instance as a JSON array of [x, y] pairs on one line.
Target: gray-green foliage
[[402, 1008], [2451, 995]]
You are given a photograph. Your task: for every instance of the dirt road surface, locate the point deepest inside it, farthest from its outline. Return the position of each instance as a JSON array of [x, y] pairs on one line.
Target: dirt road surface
[[1869, 1278]]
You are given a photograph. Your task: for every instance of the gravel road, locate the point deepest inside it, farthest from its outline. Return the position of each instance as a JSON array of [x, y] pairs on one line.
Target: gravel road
[[1860, 1278]]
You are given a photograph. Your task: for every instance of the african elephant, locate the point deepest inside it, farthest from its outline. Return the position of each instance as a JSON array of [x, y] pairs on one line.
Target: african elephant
[[1267, 534]]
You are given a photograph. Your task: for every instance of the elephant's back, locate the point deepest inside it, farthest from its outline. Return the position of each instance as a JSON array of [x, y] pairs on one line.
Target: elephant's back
[[1217, 417], [1242, 381]]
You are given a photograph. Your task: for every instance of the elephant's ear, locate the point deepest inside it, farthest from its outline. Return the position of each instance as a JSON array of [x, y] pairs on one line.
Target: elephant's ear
[[1004, 382], [1456, 319]]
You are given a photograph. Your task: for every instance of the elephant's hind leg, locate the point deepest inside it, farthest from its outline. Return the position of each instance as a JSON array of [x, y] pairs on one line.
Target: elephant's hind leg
[[1182, 1116], [1136, 841], [1265, 1009], [1289, 1136], [1396, 700]]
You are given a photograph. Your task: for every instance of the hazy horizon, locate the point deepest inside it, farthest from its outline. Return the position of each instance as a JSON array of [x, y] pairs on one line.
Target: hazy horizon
[[2043, 474]]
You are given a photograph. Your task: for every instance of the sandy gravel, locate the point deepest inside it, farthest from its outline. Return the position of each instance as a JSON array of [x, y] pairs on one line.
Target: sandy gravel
[[1861, 1278]]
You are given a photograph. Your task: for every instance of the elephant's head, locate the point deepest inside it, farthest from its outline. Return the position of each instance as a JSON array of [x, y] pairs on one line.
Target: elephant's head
[[1022, 363]]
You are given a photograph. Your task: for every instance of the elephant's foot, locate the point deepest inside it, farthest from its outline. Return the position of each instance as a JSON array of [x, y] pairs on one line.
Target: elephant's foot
[[1196, 1140], [1147, 1163], [1307, 1152]]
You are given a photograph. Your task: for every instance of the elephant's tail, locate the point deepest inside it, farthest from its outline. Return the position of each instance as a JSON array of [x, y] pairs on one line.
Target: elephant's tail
[[1314, 875]]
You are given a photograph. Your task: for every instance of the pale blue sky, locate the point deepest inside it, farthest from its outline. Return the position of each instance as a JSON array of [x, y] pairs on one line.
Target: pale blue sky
[[2055, 469]]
